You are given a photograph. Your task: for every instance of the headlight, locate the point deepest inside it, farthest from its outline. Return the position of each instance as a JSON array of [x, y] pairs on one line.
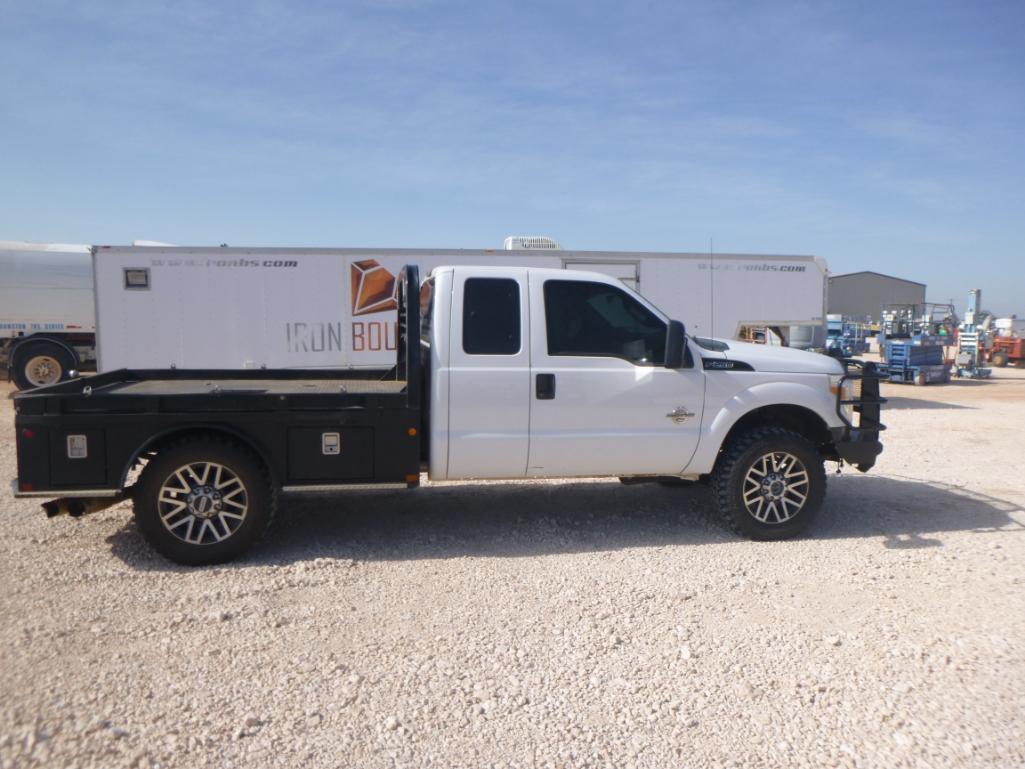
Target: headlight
[[850, 392]]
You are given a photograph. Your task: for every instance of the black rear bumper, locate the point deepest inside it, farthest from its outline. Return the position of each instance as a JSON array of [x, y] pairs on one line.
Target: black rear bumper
[[857, 442]]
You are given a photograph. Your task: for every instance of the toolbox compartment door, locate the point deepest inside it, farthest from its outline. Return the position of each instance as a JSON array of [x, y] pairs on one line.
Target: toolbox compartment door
[[78, 458], [330, 453]]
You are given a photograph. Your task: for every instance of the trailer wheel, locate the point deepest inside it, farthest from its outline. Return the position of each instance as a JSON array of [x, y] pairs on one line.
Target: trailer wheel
[[769, 483], [999, 359], [37, 364], [204, 501]]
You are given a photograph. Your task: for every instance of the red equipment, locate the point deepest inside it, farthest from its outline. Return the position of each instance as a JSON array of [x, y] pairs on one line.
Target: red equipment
[[1007, 349]]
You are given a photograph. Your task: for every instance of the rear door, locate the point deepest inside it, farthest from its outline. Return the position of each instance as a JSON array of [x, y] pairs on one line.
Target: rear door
[[603, 403], [489, 374]]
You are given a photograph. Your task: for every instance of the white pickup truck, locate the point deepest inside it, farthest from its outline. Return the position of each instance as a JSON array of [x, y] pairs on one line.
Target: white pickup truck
[[502, 372]]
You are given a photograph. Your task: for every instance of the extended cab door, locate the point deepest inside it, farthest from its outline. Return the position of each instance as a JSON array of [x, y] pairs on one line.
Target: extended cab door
[[602, 401], [489, 374]]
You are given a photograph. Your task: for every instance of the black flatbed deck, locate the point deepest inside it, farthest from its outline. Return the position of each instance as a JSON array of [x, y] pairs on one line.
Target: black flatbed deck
[[170, 391], [319, 386]]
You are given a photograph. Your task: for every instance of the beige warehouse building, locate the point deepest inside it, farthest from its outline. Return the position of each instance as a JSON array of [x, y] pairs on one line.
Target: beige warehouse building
[[861, 295]]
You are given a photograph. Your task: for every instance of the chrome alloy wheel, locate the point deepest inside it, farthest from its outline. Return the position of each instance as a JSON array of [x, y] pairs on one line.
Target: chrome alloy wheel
[[776, 487], [202, 503], [42, 370]]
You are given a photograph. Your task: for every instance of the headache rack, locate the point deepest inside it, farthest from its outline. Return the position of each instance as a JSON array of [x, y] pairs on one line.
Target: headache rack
[[867, 404]]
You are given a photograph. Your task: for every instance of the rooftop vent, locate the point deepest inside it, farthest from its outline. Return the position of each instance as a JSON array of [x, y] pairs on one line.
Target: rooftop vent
[[530, 242]]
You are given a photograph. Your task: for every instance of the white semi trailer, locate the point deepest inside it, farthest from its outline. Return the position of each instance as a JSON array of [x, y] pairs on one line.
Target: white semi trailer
[[238, 308], [47, 326]]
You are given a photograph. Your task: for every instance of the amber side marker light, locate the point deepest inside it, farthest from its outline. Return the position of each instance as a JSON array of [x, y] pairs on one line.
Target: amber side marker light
[[411, 431]]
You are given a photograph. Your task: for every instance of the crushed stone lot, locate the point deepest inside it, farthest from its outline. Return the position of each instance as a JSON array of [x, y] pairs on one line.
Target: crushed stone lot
[[545, 624]]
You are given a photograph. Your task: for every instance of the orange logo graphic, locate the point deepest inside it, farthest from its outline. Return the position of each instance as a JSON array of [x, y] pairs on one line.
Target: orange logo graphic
[[374, 289]]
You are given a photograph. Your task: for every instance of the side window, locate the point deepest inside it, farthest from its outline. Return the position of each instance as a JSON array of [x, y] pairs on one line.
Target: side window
[[491, 316], [594, 319]]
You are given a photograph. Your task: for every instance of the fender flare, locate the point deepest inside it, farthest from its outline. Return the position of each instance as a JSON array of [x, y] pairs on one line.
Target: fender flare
[[197, 429], [816, 400]]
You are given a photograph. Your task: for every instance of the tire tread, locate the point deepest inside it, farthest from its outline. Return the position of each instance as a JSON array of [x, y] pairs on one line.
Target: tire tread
[[726, 467]]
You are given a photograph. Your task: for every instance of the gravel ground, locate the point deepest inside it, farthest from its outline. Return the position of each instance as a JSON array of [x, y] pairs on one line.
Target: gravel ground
[[546, 624]]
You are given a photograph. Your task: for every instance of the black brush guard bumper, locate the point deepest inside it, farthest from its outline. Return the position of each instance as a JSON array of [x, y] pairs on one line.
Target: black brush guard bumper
[[857, 442]]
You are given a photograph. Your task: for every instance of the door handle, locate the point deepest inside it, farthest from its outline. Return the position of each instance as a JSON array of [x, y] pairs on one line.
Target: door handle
[[544, 387]]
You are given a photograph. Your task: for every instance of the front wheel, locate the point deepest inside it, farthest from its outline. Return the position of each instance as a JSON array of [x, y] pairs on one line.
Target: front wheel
[[203, 501], [999, 359], [769, 483]]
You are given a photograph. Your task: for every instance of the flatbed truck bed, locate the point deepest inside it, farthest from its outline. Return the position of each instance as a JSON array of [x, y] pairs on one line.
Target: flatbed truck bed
[[320, 428]]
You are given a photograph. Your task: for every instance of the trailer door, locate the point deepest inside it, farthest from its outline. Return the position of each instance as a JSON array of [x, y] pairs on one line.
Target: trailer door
[[489, 374]]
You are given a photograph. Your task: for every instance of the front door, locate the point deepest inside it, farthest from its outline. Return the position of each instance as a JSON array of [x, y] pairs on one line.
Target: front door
[[602, 401]]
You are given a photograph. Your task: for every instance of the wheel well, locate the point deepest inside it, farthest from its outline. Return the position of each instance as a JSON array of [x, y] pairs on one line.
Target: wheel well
[[27, 341], [161, 441], [800, 420]]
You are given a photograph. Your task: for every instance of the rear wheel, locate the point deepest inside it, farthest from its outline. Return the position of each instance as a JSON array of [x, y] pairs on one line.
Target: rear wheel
[[204, 501], [769, 483], [999, 359], [37, 364]]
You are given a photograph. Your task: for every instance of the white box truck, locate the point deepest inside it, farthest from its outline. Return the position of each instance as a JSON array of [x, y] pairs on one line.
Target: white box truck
[[47, 326], [238, 308]]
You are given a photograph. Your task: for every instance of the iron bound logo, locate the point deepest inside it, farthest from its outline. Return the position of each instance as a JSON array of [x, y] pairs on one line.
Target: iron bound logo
[[374, 289]]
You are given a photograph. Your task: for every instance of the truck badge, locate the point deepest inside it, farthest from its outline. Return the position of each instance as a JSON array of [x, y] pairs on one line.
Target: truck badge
[[680, 414]]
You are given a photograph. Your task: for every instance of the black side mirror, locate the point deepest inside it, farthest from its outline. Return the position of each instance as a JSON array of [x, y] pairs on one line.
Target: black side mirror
[[676, 335]]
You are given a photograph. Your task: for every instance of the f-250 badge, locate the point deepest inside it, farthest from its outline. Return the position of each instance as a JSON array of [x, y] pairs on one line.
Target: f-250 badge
[[719, 364]]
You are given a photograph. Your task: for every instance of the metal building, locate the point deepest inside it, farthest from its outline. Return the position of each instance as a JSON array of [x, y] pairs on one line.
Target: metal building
[[861, 295]]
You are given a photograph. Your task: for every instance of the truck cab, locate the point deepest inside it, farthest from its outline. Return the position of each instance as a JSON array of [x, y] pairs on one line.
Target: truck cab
[[544, 373]]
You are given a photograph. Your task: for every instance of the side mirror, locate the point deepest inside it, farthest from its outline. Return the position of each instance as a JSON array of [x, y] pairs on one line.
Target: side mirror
[[675, 336]]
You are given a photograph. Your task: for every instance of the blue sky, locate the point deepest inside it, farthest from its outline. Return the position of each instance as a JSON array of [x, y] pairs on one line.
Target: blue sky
[[881, 136]]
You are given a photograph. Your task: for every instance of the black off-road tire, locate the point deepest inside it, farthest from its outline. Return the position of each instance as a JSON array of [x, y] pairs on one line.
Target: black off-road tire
[[736, 461], [259, 496], [999, 359], [28, 357]]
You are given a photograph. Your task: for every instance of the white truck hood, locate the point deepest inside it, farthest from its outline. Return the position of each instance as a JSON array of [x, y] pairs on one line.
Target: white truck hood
[[761, 357]]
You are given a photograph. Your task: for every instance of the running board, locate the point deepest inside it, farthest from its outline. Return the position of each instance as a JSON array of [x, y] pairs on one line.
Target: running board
[[345, 487]]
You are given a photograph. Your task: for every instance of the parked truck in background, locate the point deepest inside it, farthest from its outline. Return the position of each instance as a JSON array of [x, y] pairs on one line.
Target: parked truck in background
[[499, 373], [47, 322]]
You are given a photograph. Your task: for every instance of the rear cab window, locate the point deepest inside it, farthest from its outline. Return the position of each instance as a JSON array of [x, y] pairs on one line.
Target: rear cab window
[[491, 316]]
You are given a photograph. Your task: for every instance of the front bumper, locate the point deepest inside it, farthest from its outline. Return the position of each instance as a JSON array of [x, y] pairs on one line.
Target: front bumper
[[859, 444], [857, 447]]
